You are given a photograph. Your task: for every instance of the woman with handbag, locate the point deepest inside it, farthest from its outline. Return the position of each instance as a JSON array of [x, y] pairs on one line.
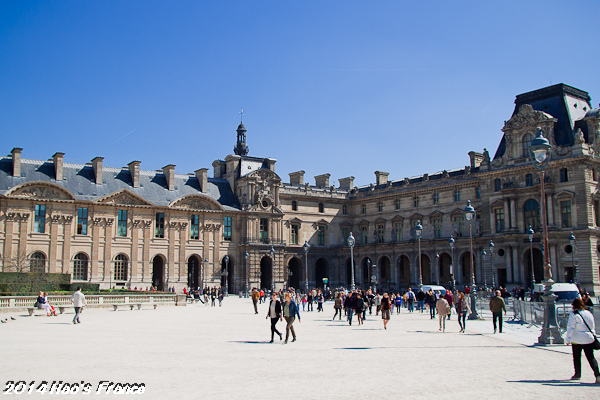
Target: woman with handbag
[[443, 309], [580, 333]]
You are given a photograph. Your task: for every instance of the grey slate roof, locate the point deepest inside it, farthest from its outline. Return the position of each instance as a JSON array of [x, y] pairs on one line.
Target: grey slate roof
[[79, 180]]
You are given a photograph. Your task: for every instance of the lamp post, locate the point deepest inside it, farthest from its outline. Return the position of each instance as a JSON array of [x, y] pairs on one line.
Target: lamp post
[[418, 234], [374, 278], [226, 273], [541, 149], [246, 258], [491, 248], [572, 242], [351, 243], [203, 273], [470, 213], [306, 247], [437, 268], [368, 262], [530, 233], [272, 252], [451, 243]]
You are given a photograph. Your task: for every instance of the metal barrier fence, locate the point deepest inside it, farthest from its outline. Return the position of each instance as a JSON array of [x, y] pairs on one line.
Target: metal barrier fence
[[8, 302], [532, 313]]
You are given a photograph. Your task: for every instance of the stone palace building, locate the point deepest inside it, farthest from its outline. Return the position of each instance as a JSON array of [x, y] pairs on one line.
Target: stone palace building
[[246, 226]]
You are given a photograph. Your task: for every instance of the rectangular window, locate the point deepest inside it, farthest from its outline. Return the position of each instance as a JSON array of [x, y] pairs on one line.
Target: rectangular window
[[159, 230], [497, 185], [416, 201], [227, 228], [499, 219], [457, 195], [364, 209], [122, 223], [264, 230], [40, 218], [380, 233], [321, 235], [565, 212], [436, 198], [195, 227], [478, 192], [529, 180], [397, 203], [363, 235], [380, 206], [564, 175], [398, 231], [295, 234], [597, 212], [344, 209], [345, 234], [437, 228], [82, 215], [457, 224]]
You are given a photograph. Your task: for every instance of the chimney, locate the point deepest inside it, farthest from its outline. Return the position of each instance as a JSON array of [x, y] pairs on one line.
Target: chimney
[[381, 178], [134, 170], [16, 159], [476, 159], [169, 172], [297, 178], [202, 175], [218, 169], [270, 163], [347, 183], [58, 165], [97, 165], [322, 181]]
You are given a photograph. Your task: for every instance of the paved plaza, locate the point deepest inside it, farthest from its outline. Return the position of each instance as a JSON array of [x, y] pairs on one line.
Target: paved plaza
[[223, 352]]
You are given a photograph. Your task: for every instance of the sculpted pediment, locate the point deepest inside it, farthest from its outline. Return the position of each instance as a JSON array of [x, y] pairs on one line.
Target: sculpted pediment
[[125, 198], [527, 117], [197, 202], [41, 191]]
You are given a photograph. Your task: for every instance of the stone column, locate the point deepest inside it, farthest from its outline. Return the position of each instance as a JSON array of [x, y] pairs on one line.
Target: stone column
[[146, 265], [23, 225], [550, 210], [8, 234], [108, 265], [135, 233], [182, 270], [54, 222], [513, 215], [171, 261], [517, 263], [94, 268], [507, 215]]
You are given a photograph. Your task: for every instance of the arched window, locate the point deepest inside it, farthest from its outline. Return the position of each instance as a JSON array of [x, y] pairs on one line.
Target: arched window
[[80, 267], [121, 267], [532, 214], [37, 262], [526, 142]]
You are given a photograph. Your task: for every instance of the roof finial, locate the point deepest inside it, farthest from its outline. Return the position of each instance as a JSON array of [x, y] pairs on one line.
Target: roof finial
[[241, 115]]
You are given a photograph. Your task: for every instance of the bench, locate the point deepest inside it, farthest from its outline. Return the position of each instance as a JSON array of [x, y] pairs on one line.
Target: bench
[[31, 310], [131, 305]]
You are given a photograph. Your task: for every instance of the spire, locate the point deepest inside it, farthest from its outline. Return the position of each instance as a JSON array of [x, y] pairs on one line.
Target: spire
[[241, 148]]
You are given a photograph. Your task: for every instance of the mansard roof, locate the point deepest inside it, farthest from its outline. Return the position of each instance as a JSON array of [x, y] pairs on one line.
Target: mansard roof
[[79, 180]]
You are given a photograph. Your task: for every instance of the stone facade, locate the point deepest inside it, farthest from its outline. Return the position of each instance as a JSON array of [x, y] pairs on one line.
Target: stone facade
[[129, 227]]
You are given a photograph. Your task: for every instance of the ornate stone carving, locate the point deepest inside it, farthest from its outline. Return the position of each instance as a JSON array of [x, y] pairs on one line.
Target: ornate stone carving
[[41, 192], [195, 204], [526, 116], [124, 199]]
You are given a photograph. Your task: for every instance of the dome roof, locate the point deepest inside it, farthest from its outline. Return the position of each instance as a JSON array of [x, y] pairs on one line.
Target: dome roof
[[241, 127]]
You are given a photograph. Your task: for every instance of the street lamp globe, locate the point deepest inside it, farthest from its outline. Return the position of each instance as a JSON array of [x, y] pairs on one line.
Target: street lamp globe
[[540, 149], [351, 243], [530, 233], [306, 246], [418, 230], [351, 240], [491, 247], [451, 242], [572, 240], [469, 212]]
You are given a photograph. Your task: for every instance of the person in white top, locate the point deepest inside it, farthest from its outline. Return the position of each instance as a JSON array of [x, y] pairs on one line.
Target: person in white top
[[581, 338], [78, 300]]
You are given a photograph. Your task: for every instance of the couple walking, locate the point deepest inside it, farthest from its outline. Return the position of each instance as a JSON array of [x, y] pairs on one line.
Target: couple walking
[[289, 310]]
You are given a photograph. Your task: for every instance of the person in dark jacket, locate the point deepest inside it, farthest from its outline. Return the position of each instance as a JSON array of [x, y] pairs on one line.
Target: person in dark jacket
[[450, 300], [274, 313], [430, 300], [359, 305], [290, 311], [349, 306], [420, 300]]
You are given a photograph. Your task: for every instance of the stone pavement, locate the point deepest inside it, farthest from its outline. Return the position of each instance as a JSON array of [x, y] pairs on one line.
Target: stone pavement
[[217, 353]]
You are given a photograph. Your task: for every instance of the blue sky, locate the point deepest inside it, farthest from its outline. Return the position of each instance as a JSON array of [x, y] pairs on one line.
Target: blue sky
[[339, 87]]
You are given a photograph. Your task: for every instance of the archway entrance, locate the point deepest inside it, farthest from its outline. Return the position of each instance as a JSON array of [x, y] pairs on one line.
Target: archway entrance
[[294, 273], [404, 271], [158, 273], [367, 265], [444, 269], [266, 273], [321, 271], [538, 266], [385, 272], [348, 277], [466, 262], [227, 274], [193, 272]]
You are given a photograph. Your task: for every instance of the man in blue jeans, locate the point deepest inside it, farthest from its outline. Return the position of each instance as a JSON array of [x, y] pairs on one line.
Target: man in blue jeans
[[349, 306], [410, 299]]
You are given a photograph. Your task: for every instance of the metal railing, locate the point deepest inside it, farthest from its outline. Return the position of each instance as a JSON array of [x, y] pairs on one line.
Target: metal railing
[[7, 302]]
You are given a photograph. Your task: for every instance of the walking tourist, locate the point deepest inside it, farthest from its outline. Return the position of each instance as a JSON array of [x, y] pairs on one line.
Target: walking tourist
[[349, 306], [420, 300], [430, 301], [496, 306], [580, 335], [410, 300], [78, 300], [443, 309], [386, 306], [255, 296], [337, 306], [462, 309], [450, 300], [359, 304], [290, 310], [275, 314]]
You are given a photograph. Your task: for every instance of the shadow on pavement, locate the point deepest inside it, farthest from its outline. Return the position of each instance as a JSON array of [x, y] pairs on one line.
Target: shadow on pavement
[[556, 382]]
